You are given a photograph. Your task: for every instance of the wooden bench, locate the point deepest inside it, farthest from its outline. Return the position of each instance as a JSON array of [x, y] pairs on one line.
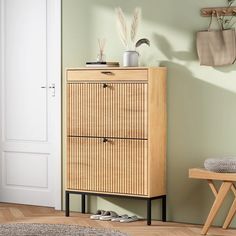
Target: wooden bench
[[227, 180]]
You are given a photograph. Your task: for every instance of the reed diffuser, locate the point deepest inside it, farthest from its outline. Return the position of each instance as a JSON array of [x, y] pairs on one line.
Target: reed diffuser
[[101, 46]]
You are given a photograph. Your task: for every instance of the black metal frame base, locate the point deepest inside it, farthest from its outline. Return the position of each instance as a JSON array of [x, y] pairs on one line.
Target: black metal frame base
[[149, 203]]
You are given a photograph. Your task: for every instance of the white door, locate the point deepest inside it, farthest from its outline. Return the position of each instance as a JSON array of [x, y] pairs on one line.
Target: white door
[[30, 148]]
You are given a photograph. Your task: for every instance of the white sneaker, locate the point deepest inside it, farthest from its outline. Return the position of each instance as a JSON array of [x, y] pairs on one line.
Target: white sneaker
[[97, 215], [108, 215], [117, 219], [129, 219]]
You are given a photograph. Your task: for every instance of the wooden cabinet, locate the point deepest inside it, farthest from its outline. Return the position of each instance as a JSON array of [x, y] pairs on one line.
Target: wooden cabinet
[[116, 132]]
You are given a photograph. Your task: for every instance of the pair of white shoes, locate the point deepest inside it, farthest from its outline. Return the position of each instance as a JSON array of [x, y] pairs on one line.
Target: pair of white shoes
[[112, 216]]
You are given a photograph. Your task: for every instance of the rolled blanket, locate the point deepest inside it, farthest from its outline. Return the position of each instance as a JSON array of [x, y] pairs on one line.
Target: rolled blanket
[[222, 165]]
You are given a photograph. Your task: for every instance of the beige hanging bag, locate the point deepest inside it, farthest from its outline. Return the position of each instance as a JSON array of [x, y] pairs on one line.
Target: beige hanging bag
[[216, 47]]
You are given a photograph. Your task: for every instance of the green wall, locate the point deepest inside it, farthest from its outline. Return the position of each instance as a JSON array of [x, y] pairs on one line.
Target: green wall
[[201, 100]]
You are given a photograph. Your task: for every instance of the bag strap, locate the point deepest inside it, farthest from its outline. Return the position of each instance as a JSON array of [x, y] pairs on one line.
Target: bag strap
[[218, 20]]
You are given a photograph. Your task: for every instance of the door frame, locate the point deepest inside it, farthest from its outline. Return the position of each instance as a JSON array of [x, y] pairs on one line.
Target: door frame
[[55, 56]]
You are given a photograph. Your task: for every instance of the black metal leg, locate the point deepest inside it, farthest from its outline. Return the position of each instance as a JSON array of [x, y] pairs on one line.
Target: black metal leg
[[149, 211], [67, 203], [164, 209], [83, 203]]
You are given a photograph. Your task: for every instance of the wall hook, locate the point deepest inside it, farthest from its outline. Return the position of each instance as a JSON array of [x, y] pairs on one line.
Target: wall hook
[[221, 11]]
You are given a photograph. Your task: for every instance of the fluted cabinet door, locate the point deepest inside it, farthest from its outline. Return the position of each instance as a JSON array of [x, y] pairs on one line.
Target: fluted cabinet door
[[110, 165], [107, 110]]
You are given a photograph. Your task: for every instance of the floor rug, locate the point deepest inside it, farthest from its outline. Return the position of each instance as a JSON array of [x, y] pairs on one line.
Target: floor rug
[[54, 230]]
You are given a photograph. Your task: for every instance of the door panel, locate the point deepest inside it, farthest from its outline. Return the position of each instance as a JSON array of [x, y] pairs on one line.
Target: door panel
[[15, 164], [114, 166], [30, 114], [24, 119], [114, 110]]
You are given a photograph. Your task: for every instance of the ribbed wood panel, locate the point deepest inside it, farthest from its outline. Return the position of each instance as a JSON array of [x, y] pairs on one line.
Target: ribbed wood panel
[[115, 166], [107, 110]]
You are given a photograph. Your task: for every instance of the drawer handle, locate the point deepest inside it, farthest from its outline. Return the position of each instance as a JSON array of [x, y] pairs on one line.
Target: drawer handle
[[105, 85], [107, 72], [105, 140]]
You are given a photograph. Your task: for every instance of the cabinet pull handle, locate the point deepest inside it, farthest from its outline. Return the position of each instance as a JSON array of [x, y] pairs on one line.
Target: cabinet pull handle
[[105, 140], [107, 72], [105, 85]]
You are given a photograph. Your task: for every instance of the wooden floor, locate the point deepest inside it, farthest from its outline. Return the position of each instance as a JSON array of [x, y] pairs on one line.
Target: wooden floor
[[12, 213]]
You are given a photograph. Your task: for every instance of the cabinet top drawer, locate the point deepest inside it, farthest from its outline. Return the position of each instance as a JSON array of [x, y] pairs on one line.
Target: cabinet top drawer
[[107, 74]]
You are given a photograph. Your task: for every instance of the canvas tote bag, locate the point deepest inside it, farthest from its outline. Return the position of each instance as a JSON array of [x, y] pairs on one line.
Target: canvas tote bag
[[216, 47]]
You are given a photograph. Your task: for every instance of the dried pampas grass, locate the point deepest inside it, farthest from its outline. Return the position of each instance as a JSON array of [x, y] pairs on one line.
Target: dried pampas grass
[[135, 23], [129, 38], [122, 26]]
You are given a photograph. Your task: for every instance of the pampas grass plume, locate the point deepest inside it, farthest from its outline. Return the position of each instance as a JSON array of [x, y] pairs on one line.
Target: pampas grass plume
[[122, 26], [135, 23]]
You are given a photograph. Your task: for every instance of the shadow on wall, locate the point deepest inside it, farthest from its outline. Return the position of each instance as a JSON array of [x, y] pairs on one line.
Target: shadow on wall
[[226, 69], [135, 206], [166, 48], [187, 56]]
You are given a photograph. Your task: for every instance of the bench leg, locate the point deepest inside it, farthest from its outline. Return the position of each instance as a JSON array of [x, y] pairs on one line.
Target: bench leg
[[230, 216], [224, 189], [232, 210]]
